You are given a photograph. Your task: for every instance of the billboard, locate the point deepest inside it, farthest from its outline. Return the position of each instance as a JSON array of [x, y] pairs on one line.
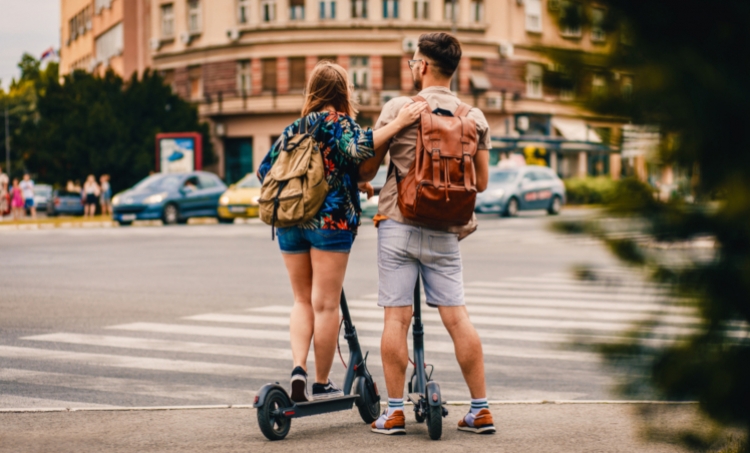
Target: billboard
[[179, 152]]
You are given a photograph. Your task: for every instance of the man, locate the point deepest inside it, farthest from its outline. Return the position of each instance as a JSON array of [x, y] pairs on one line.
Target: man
[[27, 190], [407, 249]]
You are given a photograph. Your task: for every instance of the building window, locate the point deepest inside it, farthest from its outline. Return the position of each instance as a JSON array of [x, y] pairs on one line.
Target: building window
[[597, 25], [359, 68], [167, 20], [598, 85], [328, 10], [392, 73], [110, 44], [268, 10], [196, 82], [297, 9], [571, 17], [359, 9], [534, 73], [390, 9], [626, 88], [244, 77], [421, 9], [243, 11], [297, 69], [99, 5], [194, 16], [268, 78], [477, 10], [533, 15], [451, 13]]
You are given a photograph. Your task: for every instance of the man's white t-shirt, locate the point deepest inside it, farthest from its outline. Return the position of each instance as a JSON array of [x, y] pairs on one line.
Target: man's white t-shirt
[[27, 189], [4, 179]]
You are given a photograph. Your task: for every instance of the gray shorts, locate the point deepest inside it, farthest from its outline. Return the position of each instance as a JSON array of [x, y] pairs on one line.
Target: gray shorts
[[404, 251]]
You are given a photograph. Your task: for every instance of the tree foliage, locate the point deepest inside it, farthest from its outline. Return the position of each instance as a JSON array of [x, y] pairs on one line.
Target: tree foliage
[[691, 61], [95, 125]]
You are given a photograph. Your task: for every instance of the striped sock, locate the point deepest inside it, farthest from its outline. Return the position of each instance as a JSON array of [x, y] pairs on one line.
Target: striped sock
[[395, 404], [479, 404]]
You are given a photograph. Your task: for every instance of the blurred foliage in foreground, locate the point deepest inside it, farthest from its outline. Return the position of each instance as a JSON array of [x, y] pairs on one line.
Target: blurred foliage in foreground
[[690, 62], [93, 125], [591, 190]]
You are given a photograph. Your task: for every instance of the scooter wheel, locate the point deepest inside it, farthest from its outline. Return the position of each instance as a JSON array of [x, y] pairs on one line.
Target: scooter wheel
[[368, 402], [273, 426], [435, 422], [419, 416]]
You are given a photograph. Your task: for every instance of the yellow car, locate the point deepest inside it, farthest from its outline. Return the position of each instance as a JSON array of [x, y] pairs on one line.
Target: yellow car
[[241, 200]]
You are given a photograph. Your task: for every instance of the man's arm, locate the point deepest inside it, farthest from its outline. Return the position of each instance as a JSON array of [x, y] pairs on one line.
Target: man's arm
[[482, 167]]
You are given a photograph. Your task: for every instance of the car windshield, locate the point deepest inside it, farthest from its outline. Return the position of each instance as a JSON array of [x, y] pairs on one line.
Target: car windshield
[[249, 182], [379, 180], [159, 182], [43, 190], [503, 176]]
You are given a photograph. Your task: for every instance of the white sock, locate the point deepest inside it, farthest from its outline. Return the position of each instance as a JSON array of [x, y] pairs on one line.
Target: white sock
[[395, 404], [476, 406]]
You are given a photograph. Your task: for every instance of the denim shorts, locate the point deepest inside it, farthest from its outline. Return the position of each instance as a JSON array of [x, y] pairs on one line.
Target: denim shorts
[[405, 252], [299, 240]]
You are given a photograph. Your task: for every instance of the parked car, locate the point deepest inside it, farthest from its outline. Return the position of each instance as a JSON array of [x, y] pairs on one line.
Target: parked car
[[519, 189], [62, 202], [370, 207], [42, 194], [240, 200], [171, 197]]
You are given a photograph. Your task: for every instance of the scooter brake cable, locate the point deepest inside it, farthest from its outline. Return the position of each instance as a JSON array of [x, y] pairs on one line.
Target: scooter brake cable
[[338, 344]]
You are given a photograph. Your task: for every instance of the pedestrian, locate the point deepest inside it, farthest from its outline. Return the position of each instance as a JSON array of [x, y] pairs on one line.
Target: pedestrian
[[106, 197], [90, 194], [17, 201], [408, 248], [4, 194], [316, 253], [27, 189], [70, 186]]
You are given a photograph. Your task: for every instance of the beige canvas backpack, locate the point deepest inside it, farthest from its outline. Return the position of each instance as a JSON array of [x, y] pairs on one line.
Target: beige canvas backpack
[[295, 188]]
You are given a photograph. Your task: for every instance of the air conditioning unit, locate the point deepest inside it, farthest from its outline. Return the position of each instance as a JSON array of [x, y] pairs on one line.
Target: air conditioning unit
[[386, 96], [494, 102], [185, 38], [409, 45], [155, 44], [233, 34], [506, 50], [553, 5]]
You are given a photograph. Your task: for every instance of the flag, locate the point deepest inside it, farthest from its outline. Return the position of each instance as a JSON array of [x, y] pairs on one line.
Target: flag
[[49, 53]]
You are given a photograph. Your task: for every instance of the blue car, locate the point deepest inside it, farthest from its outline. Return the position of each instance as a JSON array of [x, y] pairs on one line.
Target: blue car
[[62, 202], [524, 188], [172, 198]]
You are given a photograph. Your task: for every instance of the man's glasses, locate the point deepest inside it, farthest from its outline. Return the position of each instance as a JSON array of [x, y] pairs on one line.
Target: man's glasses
[[412, 63]]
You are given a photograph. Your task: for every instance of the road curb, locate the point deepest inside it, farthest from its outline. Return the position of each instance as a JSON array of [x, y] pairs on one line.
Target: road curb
[[250, 406]]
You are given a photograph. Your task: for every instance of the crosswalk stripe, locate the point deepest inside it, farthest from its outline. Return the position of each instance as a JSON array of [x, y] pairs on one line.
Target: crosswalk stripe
[[122, 385], [207, 331], [149, 344], [143, 363], [563, 295], [569, 286], [591, 305]]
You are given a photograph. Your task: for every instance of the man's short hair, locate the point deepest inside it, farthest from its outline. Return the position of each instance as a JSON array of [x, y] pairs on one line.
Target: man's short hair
[[443, 50]]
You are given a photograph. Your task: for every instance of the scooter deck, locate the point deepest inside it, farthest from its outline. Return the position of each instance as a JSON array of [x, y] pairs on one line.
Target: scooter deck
[[323, 406], [415, 397]]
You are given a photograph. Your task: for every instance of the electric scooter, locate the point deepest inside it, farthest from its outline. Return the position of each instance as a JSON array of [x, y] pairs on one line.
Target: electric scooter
[[276, 409], [424, 393]]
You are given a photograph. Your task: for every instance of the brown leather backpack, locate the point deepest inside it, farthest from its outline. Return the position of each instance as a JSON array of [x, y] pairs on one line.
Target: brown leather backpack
[[440, 188]]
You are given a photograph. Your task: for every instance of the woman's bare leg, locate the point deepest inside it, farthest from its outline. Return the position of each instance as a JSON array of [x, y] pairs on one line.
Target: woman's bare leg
[[299, 267], [328, 270]]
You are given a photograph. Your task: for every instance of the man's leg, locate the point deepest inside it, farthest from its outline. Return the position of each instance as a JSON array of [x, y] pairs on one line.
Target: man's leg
[[468, 348], [394, 349]]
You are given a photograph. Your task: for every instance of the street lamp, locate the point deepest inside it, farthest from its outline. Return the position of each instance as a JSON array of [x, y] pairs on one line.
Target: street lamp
[[454, 30]]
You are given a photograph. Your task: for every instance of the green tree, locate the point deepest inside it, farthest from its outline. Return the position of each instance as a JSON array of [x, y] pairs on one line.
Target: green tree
[[691, 62], [96, 125]]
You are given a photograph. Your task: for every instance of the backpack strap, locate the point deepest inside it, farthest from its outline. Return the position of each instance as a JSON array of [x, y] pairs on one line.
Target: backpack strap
[[462, 110]]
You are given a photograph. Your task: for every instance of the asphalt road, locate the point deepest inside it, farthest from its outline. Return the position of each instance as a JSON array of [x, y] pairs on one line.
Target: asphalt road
[[196, 315]]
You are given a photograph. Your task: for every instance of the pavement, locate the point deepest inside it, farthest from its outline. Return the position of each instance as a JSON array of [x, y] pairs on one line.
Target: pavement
[[538, 428]]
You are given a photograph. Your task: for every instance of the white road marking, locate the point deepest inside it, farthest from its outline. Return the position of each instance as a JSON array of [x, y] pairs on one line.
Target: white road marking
[[561, 285]]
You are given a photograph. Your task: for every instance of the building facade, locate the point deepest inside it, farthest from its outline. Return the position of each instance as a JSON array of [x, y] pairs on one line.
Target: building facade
[[245, 64], [97, 35]]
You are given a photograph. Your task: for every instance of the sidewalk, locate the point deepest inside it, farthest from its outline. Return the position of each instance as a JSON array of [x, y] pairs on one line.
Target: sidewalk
[[536, 428]]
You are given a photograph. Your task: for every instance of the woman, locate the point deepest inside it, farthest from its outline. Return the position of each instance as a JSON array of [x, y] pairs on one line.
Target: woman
[[316, 253], [106, 198], [90, 195], [17, 201]]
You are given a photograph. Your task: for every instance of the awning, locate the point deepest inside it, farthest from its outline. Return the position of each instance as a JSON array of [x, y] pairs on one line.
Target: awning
[[575, 130], [479, 81]]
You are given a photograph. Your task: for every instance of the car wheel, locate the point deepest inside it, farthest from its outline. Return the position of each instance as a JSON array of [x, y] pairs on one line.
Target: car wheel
[[171, 214], [511, 209], [556, 206], [226, 221], [124, 224]]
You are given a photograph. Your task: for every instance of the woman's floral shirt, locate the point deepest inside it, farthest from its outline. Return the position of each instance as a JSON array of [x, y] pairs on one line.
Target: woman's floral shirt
[[344, 145]]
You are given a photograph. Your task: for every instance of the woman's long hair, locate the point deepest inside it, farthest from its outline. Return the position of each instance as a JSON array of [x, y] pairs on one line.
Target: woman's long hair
[[328, 86]]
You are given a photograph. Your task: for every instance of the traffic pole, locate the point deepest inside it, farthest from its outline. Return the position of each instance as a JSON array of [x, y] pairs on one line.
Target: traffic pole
[[7, 139]]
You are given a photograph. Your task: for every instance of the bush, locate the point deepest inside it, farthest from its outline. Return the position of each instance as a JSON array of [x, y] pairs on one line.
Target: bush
[[592, 190]]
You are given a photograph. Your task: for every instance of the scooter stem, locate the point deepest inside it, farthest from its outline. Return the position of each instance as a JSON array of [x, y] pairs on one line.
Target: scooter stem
[[418, 334], [355, 352]]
